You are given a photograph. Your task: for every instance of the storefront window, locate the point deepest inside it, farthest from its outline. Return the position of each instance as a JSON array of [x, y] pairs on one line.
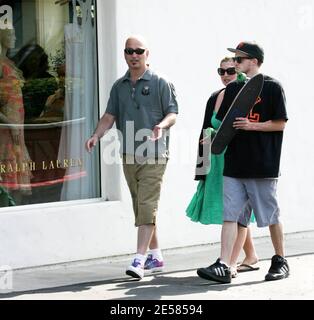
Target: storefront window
[[48, 101]]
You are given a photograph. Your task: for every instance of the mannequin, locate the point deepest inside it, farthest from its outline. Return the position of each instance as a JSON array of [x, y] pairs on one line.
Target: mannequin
[[15, 177], [7, 41]]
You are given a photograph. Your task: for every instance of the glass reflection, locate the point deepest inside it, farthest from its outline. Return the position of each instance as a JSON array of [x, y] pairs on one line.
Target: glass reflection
[[48, 102]]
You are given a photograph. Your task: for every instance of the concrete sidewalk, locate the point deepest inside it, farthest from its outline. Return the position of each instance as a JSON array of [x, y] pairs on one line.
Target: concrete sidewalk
[[104, 279]]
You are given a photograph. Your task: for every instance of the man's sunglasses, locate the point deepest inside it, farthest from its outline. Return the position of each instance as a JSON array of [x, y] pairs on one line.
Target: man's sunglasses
[[230, 71], [130, 51], [239, 59]]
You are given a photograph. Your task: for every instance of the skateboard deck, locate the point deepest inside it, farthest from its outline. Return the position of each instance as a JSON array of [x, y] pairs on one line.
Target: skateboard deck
[[240, 107]]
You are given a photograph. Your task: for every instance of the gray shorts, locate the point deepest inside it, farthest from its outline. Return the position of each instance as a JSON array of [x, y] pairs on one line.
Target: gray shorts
[[243, 195]]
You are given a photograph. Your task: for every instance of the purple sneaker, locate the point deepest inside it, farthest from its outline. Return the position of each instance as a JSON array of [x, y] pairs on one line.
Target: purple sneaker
[[153, 265], [135, 270]]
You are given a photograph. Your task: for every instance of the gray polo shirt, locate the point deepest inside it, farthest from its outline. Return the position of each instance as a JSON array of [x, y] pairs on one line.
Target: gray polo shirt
[[138, 109]]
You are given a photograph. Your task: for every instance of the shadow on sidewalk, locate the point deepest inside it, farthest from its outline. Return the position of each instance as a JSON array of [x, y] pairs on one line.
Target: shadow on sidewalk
[[168, 286], [154, 287], [174, 283]]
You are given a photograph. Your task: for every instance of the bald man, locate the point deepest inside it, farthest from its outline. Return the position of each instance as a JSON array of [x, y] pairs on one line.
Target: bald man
[[143, 105]]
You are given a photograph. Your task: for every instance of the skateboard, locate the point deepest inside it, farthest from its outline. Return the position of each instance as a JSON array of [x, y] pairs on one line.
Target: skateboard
[[240, 107]]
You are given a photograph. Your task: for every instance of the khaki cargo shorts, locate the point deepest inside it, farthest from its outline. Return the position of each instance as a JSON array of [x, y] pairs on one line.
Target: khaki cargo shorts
[[144, 181]]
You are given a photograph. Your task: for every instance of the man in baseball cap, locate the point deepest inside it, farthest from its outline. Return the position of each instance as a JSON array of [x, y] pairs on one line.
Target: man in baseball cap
[[251, 168], [251, 49]]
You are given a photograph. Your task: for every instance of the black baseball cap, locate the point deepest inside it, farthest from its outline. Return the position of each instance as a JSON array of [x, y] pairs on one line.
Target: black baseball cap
[[252, 49]]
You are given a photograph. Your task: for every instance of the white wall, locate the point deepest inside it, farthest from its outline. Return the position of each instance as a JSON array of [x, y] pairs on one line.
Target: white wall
[[187, 40]]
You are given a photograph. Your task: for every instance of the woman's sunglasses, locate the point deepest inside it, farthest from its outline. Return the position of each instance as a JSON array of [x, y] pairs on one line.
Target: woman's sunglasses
[[230, 71], [130, 51]]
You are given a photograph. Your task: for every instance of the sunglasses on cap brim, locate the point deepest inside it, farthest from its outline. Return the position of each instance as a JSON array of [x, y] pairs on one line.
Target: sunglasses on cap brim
[[240, 59]]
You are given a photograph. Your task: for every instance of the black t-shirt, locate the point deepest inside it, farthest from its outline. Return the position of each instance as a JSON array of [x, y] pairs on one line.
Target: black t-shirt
[[256, 154]]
